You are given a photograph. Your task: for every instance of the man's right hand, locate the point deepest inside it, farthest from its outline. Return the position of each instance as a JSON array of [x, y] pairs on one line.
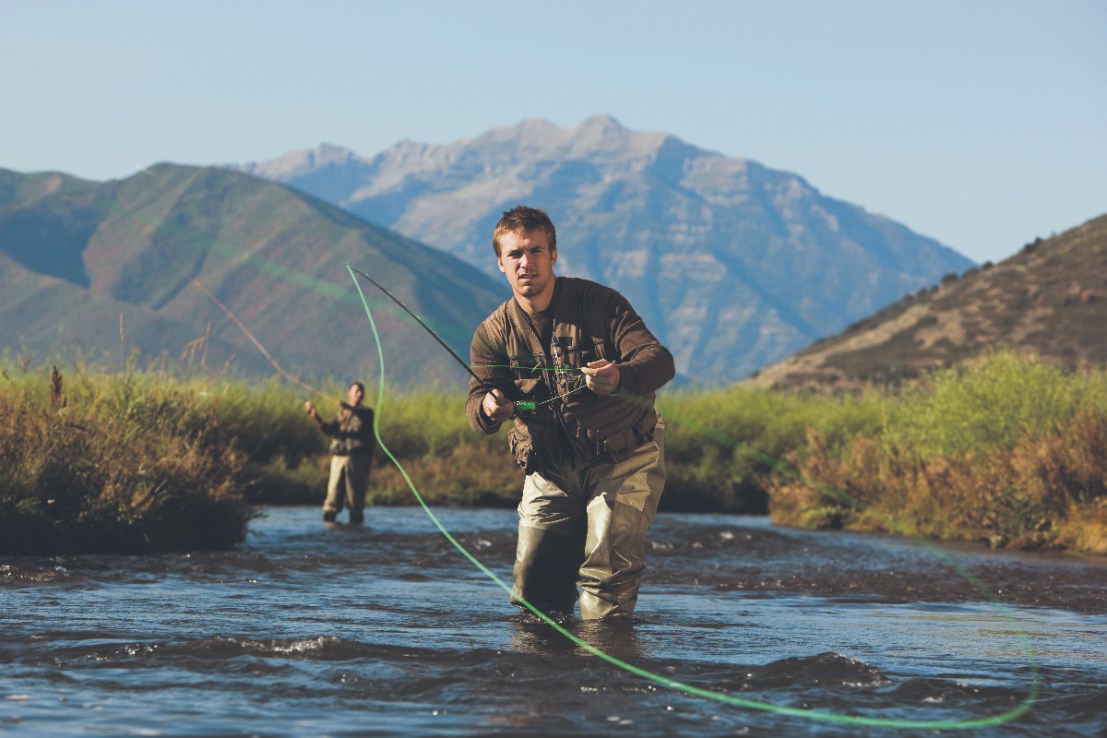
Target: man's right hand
[[496, 407]]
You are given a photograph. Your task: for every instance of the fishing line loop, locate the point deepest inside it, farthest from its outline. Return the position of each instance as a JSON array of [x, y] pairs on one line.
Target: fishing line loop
[[808, 714]]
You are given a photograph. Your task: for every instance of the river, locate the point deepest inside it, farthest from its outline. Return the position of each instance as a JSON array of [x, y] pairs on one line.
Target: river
[[743, 629]]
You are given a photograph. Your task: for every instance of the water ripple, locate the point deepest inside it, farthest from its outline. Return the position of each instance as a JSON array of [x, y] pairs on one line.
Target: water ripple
[[386, 630]]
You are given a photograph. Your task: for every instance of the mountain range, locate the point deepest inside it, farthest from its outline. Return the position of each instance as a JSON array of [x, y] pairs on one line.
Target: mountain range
[[741, 270], [732, 264]]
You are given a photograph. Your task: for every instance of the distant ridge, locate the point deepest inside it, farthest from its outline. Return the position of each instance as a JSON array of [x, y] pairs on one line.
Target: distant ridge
[[108, 268], [1049, 300], [734, 265]]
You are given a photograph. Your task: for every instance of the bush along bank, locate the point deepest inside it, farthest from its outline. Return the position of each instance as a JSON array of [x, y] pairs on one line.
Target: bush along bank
[[137, 461], [1010, 451], [115, 464]]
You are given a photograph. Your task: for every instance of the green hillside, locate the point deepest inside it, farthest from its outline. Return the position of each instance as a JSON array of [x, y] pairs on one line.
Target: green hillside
[[166, 261]]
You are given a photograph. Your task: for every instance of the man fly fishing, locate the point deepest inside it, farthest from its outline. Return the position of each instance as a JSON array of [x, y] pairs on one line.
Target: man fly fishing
[[352, 445], [593, 446]]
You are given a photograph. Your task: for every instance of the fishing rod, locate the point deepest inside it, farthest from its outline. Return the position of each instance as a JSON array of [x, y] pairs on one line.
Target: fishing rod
[[520, 405]]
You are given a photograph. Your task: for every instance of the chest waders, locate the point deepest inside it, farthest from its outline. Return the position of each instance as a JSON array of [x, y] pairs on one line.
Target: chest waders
[[584, 525], [584, 513]]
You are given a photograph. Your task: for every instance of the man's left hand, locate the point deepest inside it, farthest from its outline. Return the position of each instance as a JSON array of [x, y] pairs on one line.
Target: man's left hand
[[602, 377]]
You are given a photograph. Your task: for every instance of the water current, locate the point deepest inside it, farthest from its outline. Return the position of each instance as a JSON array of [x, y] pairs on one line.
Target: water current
[[388, 630]]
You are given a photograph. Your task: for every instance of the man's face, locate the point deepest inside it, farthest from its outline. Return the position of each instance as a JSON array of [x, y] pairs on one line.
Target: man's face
[[354, 395], [527, 260]]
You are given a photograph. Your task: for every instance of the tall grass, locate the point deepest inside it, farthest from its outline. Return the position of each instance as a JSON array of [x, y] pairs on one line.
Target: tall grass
[[1010, 451], [446, 461], [724, 445], [131, 463]]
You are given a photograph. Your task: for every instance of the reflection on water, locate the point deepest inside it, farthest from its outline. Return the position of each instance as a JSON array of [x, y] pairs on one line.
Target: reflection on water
[[387, 630]]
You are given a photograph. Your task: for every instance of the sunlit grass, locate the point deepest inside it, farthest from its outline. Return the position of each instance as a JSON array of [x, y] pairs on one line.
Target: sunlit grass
[[992, 404], [122, 463], [1010, 451]]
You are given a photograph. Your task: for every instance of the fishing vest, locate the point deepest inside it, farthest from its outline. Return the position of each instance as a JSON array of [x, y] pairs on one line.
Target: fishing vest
[[352, 432], [570, 421]]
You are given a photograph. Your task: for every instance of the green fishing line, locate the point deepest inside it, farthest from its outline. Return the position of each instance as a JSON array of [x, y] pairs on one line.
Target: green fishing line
[[808, 714]]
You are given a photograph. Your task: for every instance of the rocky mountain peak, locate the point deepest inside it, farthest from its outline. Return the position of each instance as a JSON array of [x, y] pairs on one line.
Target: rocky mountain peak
[[300, 163], [732, 263]]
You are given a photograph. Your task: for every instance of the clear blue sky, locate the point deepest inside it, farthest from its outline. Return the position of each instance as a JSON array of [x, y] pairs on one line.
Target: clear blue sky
[[981, 123]]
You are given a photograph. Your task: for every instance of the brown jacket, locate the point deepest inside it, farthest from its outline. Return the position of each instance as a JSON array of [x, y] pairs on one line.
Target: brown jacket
[[590, 322]]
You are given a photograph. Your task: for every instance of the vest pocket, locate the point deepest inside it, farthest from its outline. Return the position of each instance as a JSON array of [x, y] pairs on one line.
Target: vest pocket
[[602, 350], [621, 443], [522, 448]]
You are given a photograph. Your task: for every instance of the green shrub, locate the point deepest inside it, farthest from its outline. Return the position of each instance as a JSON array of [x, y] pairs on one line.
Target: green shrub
[[1009, 451], [992, 404]]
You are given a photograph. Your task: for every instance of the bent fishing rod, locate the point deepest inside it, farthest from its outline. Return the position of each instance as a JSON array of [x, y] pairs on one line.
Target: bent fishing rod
[[520, 405]]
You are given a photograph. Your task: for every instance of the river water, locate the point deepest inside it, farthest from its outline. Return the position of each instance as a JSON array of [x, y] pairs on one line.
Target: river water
[[389, 630]]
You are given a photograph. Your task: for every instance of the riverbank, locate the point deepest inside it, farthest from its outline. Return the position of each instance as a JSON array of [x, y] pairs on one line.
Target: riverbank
[[1011, 451]]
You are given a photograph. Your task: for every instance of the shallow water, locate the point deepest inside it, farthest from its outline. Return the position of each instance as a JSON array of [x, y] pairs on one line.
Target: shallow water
[[390, 631]]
